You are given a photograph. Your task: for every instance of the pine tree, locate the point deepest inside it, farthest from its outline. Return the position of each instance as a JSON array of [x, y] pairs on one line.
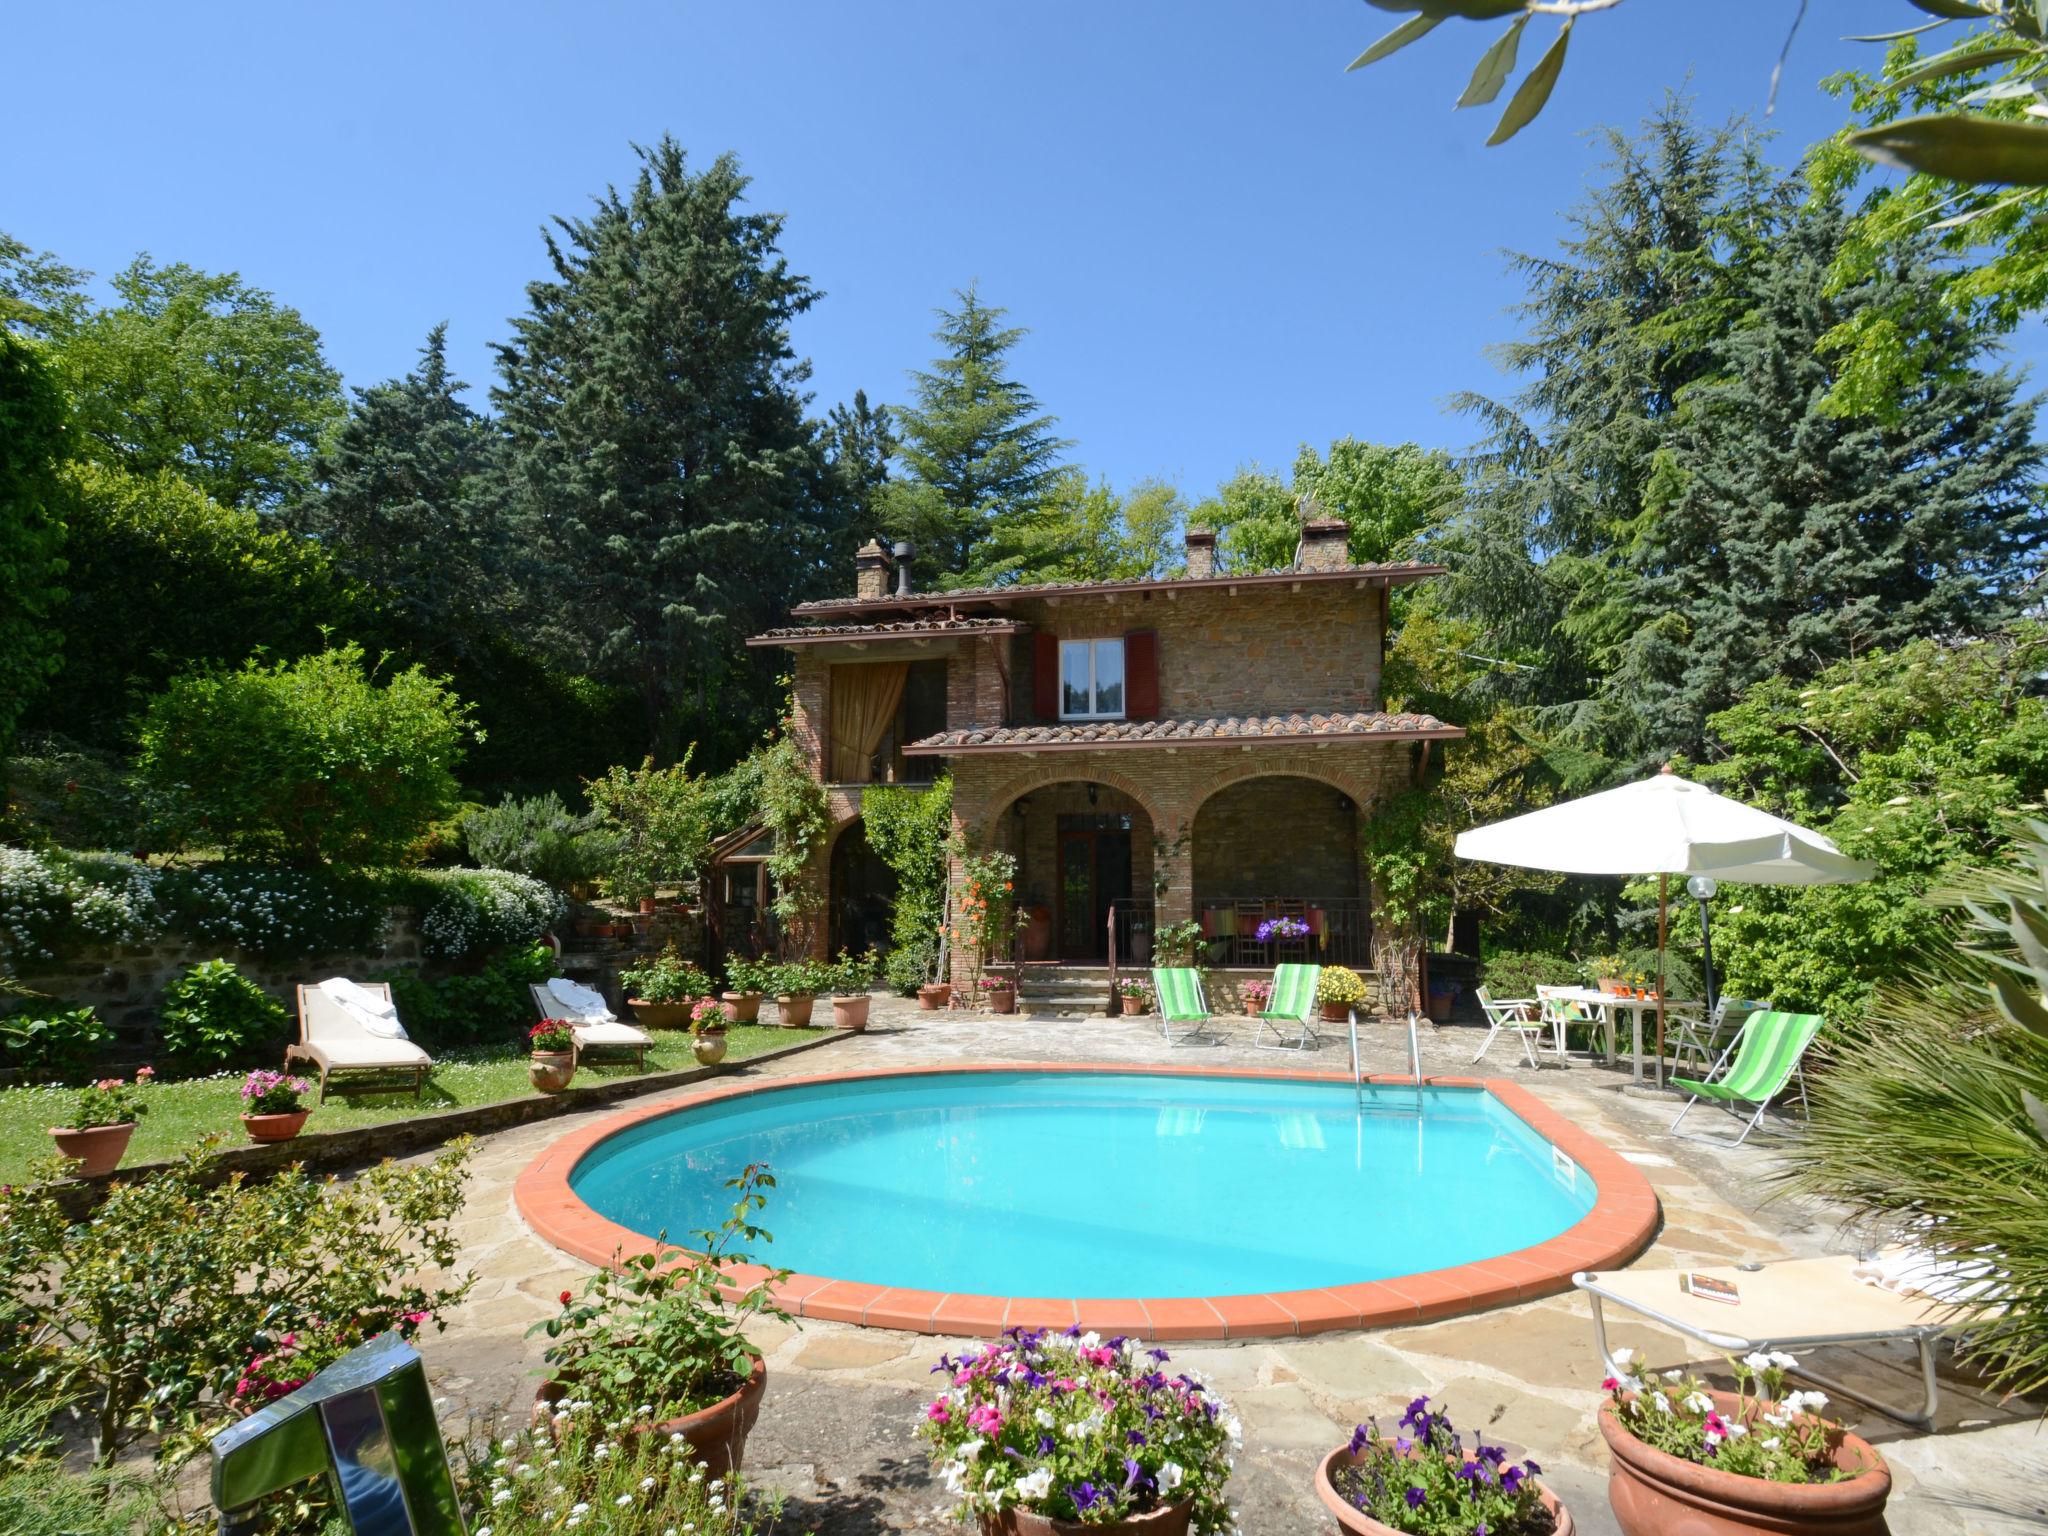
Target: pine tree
[[406, 502], [1618, 324], [35, 437], [977, 447], [1784, 537], [666, 479], [859, 440]]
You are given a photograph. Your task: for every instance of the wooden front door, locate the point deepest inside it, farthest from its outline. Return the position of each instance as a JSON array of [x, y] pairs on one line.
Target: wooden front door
[[1095, 870]]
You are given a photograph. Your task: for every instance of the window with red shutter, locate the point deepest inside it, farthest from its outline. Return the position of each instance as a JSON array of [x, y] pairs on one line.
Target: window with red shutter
[[1141, 674]]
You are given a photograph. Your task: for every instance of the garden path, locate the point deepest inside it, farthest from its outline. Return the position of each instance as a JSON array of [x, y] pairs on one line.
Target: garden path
[[835, 1433]]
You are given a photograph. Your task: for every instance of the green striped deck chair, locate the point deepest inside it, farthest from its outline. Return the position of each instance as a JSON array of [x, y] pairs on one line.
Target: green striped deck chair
[[1766, 1054], [1181, 1003], [1293, 1005]]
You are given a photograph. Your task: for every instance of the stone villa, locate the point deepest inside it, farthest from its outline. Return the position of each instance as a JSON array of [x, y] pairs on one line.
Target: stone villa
[[1151, 751]]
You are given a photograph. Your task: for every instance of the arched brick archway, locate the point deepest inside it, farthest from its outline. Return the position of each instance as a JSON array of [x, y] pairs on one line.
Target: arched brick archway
[[1043, 774]]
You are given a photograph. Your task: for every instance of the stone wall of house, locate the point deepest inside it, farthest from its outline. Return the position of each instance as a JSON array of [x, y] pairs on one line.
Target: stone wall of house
[[1276, 837], [1262, 651]]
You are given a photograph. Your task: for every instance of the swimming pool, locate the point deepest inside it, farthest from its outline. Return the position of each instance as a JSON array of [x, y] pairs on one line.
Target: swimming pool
[[1151, 1186]]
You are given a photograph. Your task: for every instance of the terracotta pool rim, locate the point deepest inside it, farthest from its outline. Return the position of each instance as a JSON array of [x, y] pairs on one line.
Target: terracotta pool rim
[[1620, 1225]]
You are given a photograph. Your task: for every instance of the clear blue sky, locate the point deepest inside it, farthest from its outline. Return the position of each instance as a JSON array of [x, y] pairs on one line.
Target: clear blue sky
[[1222, 243]]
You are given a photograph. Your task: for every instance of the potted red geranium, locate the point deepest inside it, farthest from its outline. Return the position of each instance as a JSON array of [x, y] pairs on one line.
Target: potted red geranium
[[1000, 993], [708, 1021], [101, 1124], [553, 1059], [271, 1110], [1759, 1459]]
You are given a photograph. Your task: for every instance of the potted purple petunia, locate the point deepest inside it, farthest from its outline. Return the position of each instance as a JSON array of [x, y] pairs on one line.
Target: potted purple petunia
[[271, 1110], [1280, 928], [1058, 1434], [1423, 1481], [1759, 1459]]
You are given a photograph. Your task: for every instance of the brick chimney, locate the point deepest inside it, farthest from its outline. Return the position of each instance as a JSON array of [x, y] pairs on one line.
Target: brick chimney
[[1325, 540], [1201, 543], [871, 571]]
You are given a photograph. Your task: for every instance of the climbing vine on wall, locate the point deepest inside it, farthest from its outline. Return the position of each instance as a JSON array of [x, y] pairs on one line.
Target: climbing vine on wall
[[909, 830], [793, 807]]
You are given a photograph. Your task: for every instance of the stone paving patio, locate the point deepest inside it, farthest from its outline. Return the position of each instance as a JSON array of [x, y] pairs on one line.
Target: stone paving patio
[[835, 1433]]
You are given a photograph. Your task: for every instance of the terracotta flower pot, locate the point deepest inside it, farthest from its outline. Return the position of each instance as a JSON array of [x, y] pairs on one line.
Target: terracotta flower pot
[[1336, 1013], [1135, 1005], [1003, 1000], [795, 1011], [716, 1435], [1167, 1520], [934, 995], [851, 1012], [708, 1047], [550, 1071], [745, 1006], [662, 1015], [647, 906], [1350, 1517], [1652, 1492], [275, 1127], [96, 1151]]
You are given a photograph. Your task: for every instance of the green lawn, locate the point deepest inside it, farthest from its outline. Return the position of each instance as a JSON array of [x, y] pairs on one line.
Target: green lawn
[[181, 1112]]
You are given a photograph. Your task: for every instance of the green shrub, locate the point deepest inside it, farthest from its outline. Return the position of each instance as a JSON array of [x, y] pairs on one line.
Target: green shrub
[[909, 830], [74, 796], [488, 1005], [213, 1015], [1517, 973], [39, 1497], [475, 911], [306, 761], [539, 837], [668, 978], [658, 821], [159, 1306], [52, 1043]]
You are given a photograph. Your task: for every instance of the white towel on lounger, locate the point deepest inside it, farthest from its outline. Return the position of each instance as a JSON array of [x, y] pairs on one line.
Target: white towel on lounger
[[1914, 1271], [374, 1014], [578, 1001]]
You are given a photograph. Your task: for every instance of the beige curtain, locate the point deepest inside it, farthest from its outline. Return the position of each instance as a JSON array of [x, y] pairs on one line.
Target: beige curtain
[[864, 700]]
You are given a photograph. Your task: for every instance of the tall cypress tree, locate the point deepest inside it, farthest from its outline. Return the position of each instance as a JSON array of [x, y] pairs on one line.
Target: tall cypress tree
[[977, 446], [668, 484], [1783, 537], [406, 501]]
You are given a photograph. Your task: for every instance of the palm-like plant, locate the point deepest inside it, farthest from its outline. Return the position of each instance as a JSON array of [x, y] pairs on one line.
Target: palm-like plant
[[1931, 1117]]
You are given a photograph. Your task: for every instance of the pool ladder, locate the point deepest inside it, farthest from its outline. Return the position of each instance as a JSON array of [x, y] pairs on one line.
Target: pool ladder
[[1414, 1061]]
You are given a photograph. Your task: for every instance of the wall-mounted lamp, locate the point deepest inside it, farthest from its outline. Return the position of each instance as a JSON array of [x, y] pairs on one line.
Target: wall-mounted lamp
[[1094, 790], [1022, 805]]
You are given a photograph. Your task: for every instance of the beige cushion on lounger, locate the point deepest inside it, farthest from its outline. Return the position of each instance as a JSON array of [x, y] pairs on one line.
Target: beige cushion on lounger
[[362, 1052], [609, 1032]]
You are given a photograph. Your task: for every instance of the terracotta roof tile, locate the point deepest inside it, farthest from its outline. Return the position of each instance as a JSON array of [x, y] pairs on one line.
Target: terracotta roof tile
[[804, 634], [1229, 728]]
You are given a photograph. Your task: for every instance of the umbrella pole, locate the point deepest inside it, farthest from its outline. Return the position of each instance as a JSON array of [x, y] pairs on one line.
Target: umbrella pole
[[1663, 896]]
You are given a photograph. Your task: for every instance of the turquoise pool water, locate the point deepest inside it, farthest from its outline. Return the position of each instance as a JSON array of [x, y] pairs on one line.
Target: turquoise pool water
[[1100, 1184]]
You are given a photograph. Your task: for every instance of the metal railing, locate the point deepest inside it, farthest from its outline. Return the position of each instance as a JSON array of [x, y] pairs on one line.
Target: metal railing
[[1339, 930]]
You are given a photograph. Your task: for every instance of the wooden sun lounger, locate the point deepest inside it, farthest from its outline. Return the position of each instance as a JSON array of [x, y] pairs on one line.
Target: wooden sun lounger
[[1789, 1305], [334, 1045], [595, 1034]]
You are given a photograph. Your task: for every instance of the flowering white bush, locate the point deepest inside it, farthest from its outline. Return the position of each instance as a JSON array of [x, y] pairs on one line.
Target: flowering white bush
[[277, 911], [1772, 1434], [575, 1473], [483, 909], [49, 899]]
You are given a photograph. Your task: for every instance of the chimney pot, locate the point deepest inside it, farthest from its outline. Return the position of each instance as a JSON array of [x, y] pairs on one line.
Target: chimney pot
[[1201, 547], [871, 571], [1325, 540], [905, 552]]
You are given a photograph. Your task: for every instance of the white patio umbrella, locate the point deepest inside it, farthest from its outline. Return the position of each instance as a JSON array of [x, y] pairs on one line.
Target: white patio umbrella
[[1664, 826]]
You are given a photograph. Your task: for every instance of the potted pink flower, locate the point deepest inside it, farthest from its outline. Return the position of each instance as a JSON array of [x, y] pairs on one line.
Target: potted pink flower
[[1000, 993], [101, 1124], [1759, 1459], [708, 1023], [552, 1063], [1255, 996], [271, 1110], [1068, 1434]]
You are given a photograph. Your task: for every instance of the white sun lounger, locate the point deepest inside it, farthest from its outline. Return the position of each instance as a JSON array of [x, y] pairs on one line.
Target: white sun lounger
[[590, 1021], [335, 1042], [1789, 1305]]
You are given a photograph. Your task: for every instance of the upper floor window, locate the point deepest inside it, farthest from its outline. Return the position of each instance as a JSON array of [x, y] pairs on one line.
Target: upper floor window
[[1091, 679]]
